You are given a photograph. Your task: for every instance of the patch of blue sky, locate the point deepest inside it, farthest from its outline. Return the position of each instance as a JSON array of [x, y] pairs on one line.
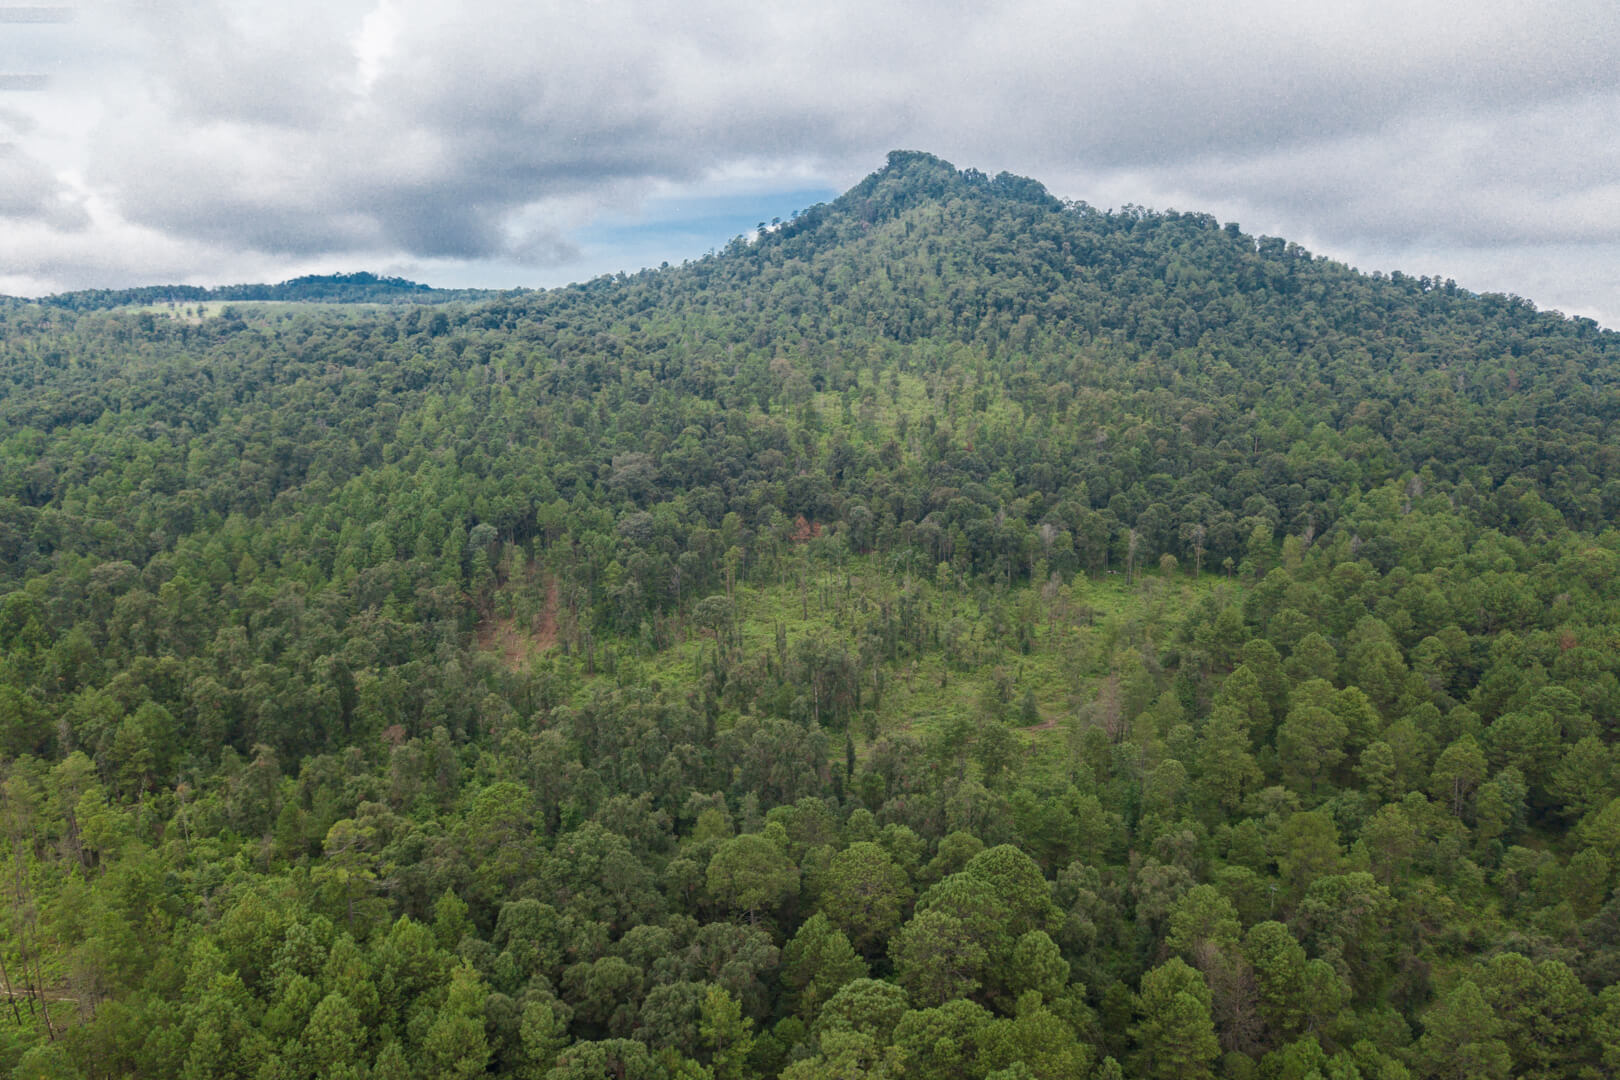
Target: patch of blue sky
[[676, 228], [669, 228]]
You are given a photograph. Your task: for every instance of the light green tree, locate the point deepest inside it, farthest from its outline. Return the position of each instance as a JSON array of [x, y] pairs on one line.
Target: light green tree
[[726, 1034], [454, 1045]]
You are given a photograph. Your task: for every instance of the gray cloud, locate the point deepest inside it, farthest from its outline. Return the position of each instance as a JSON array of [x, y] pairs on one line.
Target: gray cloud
[[30, 191], [404, 130]]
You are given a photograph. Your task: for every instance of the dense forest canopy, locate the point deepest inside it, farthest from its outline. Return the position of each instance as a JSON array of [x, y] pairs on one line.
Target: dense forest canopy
[[952, 633]]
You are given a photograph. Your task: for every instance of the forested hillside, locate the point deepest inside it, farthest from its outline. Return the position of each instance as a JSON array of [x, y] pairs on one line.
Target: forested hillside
[[955, 633]]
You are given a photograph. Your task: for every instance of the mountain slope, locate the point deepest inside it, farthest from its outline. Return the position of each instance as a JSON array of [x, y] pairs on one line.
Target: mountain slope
[[956, 632], [1154, 316]]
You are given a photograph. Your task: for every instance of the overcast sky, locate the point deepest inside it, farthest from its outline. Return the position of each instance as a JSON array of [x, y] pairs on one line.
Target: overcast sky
[[537, 143]]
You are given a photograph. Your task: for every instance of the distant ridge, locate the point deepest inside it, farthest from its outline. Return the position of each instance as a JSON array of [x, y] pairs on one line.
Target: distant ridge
[[357, 288]]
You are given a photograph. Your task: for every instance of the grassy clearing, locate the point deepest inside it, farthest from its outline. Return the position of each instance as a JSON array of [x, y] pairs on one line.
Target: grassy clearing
[[970, 657], [196, 311]]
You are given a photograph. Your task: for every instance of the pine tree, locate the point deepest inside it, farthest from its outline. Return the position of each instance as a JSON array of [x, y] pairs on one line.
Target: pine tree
[[817, 961], [1175, 1035], [455, 1045], [726, 1033], [1460, 1039]]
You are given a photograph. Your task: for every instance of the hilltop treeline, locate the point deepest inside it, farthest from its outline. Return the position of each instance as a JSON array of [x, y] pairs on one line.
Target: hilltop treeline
[[357, 288], [1263, 612]]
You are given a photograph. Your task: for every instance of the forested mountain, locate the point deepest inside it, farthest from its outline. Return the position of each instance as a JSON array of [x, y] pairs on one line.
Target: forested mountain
[[956, 633]]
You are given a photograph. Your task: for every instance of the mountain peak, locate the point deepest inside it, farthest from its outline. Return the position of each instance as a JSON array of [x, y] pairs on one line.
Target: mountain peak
[[913, 177], [917, 162]]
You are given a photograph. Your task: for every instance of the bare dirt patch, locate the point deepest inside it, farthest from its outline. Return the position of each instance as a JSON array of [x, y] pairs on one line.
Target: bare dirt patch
[[545, 627], [516, 645]]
